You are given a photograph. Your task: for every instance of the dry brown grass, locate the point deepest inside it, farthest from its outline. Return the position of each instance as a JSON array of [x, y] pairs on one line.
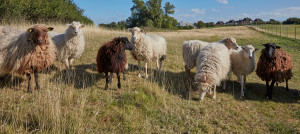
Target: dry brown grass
[[155, 105]]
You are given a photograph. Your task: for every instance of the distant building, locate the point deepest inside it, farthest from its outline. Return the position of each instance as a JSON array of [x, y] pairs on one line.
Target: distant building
[[231, 22], [219, 23], [245, 21], [258, 21]]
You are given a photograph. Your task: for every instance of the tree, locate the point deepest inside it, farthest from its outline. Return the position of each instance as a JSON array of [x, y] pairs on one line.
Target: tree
[[200, 24], [210, 24], [293, 20], [169, 8], [272, 21]]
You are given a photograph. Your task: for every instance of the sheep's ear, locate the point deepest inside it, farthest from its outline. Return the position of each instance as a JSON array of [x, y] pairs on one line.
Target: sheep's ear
[[50, 28], [129, 29], [30, 30], [142, 31], [82, 26], [265, 45], [278, 47], [243, 48], [256, 49]]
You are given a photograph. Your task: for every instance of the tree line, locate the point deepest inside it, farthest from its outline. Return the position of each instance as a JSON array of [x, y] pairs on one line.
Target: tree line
[[35, 11]]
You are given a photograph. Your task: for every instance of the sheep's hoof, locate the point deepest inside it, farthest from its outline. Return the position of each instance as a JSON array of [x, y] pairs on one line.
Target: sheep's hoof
[[214, 97], [29, 91], [140, 75], [105, 87], [146, 77], [119, 85]]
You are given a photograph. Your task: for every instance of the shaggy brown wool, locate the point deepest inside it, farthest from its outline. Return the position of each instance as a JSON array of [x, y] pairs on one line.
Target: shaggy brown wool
[[111, 57], [278, 68]]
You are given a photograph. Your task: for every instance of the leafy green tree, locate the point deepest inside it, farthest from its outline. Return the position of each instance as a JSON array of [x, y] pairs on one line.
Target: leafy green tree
[[200, 24], [293, 20]]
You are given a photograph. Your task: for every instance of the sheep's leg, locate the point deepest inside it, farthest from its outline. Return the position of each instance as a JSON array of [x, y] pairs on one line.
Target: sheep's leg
[[110, 78], [271, 89], [124, 77], [119, 82], [188, 72], [157, 65], [146, 76], [160, 63], [202, 94], [107, 80], [36, 77], [229, 75], [29, 90], [242, 85], [66, 62], [244, 82], [287, 85], [267, 84], [224, 84], [70, 66], [139, 64], [215, 92]]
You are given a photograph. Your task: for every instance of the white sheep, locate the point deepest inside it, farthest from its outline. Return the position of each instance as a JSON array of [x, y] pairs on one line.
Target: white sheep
[[192, 48], [213, 64], [26, 52], [70, 44], [243, 63], [147, 48]]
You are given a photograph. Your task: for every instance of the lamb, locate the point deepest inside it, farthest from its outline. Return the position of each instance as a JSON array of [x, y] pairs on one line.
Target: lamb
[[213, 64], [243, 63], [70, 44], [111, 57], [26, 52], [274, 65], [147, 48], [192, 48]]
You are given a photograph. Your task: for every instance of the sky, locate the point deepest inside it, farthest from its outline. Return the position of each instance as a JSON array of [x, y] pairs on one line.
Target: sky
[[106, 11]]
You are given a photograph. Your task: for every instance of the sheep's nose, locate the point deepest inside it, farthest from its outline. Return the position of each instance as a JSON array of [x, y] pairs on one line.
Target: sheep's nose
[[40, 41], [250, 57]]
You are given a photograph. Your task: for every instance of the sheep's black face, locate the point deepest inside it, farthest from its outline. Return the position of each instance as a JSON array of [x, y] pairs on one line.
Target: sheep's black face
[[270, 49], [128, 45], [39, 34]]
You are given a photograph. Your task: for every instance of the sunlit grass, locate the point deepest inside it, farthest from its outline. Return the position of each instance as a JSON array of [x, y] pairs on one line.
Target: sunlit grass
[[160, 104]]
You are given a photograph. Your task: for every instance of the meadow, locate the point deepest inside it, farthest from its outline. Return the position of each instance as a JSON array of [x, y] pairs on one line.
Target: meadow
[[281, 30], [160, 104]]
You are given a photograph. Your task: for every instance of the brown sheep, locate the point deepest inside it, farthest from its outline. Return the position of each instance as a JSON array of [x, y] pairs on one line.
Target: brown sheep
[[111, 57], [274, 65], [26, 52]]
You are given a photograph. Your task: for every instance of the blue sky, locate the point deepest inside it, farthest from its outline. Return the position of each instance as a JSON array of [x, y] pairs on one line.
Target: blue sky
[[106, 11]]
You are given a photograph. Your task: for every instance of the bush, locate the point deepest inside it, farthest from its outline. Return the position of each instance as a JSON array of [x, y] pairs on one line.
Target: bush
[[35, 11]]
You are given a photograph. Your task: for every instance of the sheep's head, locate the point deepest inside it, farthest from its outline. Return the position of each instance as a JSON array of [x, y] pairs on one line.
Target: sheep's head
[[248, 51], [39, 34], [136, 34], [270, 49], [230, 43], [126, 43], [203, 84], [75, 27]]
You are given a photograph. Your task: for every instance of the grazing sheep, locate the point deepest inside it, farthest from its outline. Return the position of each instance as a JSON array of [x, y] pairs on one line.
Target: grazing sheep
[[243, 63], [192, 48], [26, 52], [70, 44], [111, 57], [213, 64], [147, 48], [274, 65]]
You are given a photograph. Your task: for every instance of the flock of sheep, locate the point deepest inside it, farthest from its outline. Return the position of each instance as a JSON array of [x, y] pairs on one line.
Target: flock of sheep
[[37, 48]]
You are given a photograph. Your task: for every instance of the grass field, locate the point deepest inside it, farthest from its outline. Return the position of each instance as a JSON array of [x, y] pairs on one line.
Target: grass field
[[160, 104], [281, 30]]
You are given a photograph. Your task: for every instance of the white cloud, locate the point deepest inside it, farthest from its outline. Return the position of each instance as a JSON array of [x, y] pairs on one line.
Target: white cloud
[[222, 1], [198, 11], [215, 10], [279, 13]]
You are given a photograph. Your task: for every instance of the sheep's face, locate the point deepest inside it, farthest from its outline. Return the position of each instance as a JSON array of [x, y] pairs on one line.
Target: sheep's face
[[126, 43], [75, 27], [39, 34], [270, 49], [231, 43], [136, 34], [203, 88], [249, 51]]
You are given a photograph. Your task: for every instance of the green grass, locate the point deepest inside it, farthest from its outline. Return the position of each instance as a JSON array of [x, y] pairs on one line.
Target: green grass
[[160, 104], [281, 30]]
